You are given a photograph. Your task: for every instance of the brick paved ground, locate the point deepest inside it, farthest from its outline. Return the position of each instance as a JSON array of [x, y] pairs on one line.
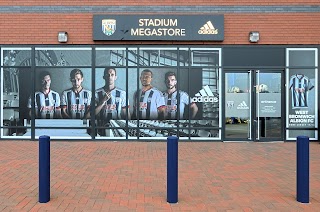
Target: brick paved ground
[[131, 176]]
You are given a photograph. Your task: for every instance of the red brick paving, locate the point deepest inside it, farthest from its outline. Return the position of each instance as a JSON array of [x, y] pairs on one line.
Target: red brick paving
[[131, 176]]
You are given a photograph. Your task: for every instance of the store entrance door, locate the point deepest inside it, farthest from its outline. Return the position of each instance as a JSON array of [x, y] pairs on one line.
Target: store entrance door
[[254, 105]]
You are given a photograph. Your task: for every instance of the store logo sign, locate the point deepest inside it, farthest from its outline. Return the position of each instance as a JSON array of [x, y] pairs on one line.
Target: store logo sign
[[243, 106], [208, 29], [158, 27], [205, 95], [108, 26]]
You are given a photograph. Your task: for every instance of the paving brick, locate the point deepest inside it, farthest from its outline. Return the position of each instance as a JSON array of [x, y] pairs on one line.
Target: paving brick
[[88, 176]]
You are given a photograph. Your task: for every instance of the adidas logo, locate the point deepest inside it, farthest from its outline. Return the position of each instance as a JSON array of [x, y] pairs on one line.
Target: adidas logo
[[208, 29], [242, 106], [205, 95]]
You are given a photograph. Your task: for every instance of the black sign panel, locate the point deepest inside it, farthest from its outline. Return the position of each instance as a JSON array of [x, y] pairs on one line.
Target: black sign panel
[[158, 27]]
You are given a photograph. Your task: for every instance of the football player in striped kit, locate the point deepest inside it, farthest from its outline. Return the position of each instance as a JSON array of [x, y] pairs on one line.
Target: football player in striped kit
[[47, 101], [149, 101], [110, 101], [75, 102], [300, 85], [171, 98]]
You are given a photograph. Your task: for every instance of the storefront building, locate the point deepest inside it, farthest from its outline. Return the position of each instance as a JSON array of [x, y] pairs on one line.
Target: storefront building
[[127, 72]]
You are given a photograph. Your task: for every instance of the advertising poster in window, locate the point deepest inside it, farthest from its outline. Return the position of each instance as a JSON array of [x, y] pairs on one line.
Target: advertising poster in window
[[149, 102], [302, 92], [111, 103], [62, 98], [62, 95], [302, 99], [56, 93], [237, 98], [269, 94], [204, 94]]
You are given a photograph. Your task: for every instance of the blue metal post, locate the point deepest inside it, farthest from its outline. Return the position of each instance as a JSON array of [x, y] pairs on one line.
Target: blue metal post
[[172, 169], [44, 169], [303, 169]]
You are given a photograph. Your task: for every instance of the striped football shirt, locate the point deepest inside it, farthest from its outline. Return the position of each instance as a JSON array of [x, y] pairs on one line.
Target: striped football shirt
[[172, 104], [45, 104], [300, 85], [112, 108], [76, 104], [148, 102]]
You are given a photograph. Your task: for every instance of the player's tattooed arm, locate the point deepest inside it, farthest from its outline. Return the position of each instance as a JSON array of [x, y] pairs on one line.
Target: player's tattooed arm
[[65, 114], [102, 102], [124, 113], [58, 113], [194, 110], [161, 112], [30, 113]]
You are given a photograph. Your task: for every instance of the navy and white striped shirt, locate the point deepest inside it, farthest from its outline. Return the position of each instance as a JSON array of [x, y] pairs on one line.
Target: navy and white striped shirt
[[300, 85], [76, 104], [45, 104], [172, 104], [148, 103], [112, 108]]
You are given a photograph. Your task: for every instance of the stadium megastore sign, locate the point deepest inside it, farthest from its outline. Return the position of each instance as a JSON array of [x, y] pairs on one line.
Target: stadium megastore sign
[[163, 27]]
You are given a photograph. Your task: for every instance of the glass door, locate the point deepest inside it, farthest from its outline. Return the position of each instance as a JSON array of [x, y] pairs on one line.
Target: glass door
[[268, 98], [253, 105], [238, 109]]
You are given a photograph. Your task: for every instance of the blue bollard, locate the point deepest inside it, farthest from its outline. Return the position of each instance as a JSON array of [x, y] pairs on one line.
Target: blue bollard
[[172, 169], [303, 169], [44, 169]]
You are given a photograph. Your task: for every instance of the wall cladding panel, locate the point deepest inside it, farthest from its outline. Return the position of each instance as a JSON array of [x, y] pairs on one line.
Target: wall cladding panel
[[35, 28]]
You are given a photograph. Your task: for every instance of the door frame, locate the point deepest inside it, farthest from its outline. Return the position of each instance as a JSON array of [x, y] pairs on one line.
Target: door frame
[[253, 119], [254, 126]]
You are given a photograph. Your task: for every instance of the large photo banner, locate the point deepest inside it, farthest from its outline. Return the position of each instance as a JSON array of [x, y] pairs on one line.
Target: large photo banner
[[158, 101], [62, 92], [65, 93], [111, 102], [302, 104], [57, 93], [302, 93]]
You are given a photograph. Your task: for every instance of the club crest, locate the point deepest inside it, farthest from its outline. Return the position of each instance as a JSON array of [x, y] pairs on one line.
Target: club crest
[[108, 26]]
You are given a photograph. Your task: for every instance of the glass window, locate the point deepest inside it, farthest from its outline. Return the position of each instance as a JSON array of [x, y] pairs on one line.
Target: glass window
[[204, 57], [126, 92], [62, 99], [111, 57], [16, 57], [293, 134], [302, 57], [158, 56], [14, 93], [205, 96], [184, 58], [63, 56], [111, 102], [302, 92]]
